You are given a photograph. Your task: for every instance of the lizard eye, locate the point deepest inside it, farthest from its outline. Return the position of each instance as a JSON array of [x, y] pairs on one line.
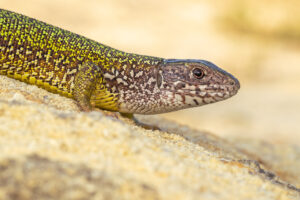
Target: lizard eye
[[198, 73]]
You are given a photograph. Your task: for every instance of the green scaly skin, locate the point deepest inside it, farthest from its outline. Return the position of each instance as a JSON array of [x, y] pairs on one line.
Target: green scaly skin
[[96, 75]]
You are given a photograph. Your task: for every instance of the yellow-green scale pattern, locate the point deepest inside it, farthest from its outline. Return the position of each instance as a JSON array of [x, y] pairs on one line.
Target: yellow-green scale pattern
[[49, 57]]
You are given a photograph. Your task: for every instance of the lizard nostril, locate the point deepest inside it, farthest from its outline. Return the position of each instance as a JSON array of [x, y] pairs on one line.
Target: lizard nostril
[[234, 82]]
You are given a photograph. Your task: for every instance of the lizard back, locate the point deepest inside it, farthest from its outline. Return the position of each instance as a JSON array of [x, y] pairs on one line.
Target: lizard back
[[38, 53]]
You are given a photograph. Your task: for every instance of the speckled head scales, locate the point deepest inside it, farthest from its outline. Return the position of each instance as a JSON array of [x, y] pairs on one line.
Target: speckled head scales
[[180, 80], [186, 66]]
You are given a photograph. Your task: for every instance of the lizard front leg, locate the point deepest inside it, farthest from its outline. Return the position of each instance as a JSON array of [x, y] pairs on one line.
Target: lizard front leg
[[85, 83]]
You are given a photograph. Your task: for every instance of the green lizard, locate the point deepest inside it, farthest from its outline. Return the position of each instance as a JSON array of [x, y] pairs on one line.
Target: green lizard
[[96, 75]]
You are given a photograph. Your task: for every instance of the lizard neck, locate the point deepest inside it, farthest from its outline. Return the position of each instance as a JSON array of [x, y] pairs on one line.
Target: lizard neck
[[128, 81]]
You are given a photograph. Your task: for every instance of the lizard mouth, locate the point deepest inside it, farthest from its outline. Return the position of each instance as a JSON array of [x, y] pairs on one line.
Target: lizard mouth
[[209, 91]]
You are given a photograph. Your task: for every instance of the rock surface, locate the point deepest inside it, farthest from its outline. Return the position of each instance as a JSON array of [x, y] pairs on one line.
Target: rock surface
[[49, 150]]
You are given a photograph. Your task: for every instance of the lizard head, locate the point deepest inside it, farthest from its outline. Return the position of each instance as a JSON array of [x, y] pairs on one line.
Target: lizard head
[[175, 84], [190, 83]]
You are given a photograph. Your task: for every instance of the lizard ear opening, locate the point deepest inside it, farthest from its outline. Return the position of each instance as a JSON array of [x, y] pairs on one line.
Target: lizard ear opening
[[158, 77]]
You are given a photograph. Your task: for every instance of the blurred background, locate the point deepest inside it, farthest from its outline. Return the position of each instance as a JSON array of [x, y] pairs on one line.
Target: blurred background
[[256, 40]]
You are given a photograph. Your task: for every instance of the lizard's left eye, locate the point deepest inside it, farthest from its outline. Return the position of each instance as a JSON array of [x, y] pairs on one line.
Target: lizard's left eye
[[198, 73]]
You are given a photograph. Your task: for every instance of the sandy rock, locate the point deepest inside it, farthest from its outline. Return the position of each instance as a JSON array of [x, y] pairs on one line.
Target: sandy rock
[[49, 150]]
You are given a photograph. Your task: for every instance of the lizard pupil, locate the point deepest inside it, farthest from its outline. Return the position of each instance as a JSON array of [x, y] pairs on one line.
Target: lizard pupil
[[198, 73]]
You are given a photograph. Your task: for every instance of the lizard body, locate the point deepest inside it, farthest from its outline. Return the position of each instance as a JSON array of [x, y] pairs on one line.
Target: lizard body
[[96, 75]]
